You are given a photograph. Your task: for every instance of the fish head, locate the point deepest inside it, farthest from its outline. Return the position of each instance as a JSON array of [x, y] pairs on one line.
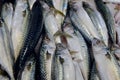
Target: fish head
[[60, 47], [98, 45], [50, 45], [62, 51], [7, 7]]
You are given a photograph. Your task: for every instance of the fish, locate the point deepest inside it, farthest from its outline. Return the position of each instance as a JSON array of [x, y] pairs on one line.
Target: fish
[[116, 53], [31, 2], [78, 73], [3, 78], [84, 62], [1, 3], [57, 69], [49, 3], [105, 62], [79, 52], [94, 73], [61, 6], [113, 9], [58, 4], [67, 64], [19, 25], [6, 57], [82, 22], [8, 1], [4, 75], [57, 9], [51, 24], [108, 18], [7, 20], [65, 6], [112, 1], [98, 22], [35, 30], [28, 72], [118, 34], [7, 14], [44, 60]]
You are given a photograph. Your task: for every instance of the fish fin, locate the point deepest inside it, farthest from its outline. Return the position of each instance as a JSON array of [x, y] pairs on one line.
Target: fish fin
[[60, 33], [73, 52], [57, 12], [48, 55], [108, 55], [61, 60]]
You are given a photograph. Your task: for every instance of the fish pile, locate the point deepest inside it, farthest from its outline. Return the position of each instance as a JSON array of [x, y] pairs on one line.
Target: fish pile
[[59, 39]]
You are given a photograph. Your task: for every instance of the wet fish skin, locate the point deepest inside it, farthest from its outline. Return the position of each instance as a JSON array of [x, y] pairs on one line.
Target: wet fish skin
[[84, 63], [78, 74], [44, 62], [51, 24], [98, 22], [49, 19], [49, 2], [4, 75], [104, 10], [113, 1], [6, 61], [67, 64], [19, 25], [80, 52], [105, 62], [118, 34], [60, 5], [41, 63], [28, 72], [7, 14], [94, 73], [57, 69], [35, 29], [82, 21], [4, 78], [7, 21]]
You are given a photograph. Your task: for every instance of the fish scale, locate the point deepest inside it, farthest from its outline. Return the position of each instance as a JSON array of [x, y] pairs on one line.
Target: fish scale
[[57, 69], [41, 65], [35, 28], [108, 18]]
